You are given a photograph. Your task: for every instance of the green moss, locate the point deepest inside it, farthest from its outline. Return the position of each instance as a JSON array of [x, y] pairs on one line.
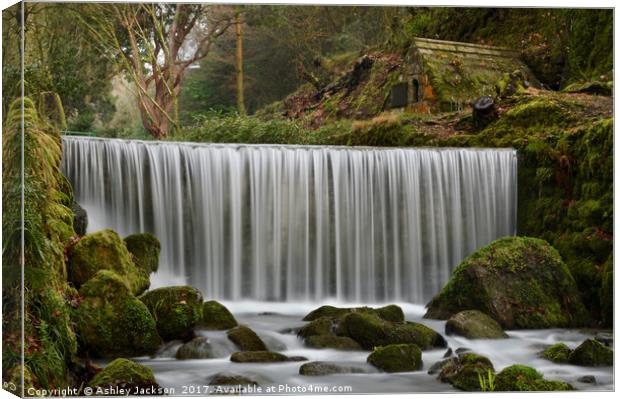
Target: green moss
[[246, 339], [606, 293], [145, 249], [558, 353], [177, 310], [111, 322], [104, 250], [521, 282], [396, 358], [391, 313], [332, 342], [464, 372], [215, 316], [523, 378], [125, 373], [366, 329], [263, 356], [416, 333], [473, 324], [592, 353], [324, 325]]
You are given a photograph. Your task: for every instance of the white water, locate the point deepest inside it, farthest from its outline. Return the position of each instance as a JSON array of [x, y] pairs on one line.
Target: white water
[[521, 347], [299, 223]]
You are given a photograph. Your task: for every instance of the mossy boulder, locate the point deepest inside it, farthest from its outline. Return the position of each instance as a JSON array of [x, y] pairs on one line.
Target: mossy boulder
[[216, 316], [145, 249], [197, 348], [389, 312], [126, 374], [370, 331], [558, 353], [104, 250], [324, 325], [520, 282], [246, 339], [260, 357], [177, 310], [111, 322], [328, 368], [473, 324], [592, 353], [464, 372], [396, 358], [80, 219], [332, 342], [519, 377]]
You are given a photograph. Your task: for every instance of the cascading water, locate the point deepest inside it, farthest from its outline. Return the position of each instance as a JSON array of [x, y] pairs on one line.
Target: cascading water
[[299, 223]]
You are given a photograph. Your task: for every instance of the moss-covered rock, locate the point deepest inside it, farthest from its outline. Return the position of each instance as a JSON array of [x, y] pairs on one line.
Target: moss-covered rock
[[396, 358], [606, 293], [558, 353], [197, 348], [111, 322], [177, 310], [370, 331], [145, 249], [519, 281], [324, 325], [332, 342], [464, 372], [524, 378], [104, 250], [126, 374], [260, 357], [591, 87], [473, 324], [592, 353], [80, 219], [328, 368], [246, 339], [216, 316], [389, 312]]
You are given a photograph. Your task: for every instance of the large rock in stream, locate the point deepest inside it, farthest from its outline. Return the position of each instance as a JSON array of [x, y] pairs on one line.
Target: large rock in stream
[[126, 374], [176, 309], [111, 322], [473, 324], [520, 282], [105, 250], [145, 249]]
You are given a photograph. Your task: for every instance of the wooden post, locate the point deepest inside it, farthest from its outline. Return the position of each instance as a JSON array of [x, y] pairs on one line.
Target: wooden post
[[239, 66]]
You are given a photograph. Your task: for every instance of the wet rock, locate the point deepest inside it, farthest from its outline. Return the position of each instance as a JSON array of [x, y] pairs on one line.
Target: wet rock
[[396, 358], [605, 338], [448, 353], [464, 372], [246, 339], [520, 282], [389, 313], [111, 322], [176, 309], [322, 326], [126, 374], [592, 353], [216, 316], [290, 330], [145, 249], [473, 324], [523, 378], [332, 342], [263, 357], [104, 250], [558, 353], [370, 331], [80, 219], [462, 350], [587, 379], [438, 366], [231, 379], [327, 368], [197, 348]]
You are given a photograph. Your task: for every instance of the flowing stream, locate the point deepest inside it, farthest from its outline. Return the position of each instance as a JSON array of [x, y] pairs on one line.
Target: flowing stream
[[302, 223]]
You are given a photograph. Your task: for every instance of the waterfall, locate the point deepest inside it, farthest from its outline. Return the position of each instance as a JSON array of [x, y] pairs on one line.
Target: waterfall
[[299, 223]]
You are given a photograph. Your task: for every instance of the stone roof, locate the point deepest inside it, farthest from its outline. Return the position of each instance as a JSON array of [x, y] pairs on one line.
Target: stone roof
[[461, 72]]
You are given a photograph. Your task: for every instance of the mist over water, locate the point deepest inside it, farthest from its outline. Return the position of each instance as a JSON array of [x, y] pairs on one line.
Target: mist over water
[[293, 223]]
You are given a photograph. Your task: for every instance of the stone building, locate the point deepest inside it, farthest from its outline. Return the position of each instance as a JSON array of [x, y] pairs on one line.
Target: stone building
[[447, 76]]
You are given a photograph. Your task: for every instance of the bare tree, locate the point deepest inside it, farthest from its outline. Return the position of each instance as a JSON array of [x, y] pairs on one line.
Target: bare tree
[[154, 44]]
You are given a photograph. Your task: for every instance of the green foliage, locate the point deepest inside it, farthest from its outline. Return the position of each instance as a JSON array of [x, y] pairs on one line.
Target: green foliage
[[464, 371], [487, 383]]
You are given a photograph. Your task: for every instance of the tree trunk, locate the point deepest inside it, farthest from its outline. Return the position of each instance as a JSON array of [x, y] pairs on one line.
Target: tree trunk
[[239, 66]]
